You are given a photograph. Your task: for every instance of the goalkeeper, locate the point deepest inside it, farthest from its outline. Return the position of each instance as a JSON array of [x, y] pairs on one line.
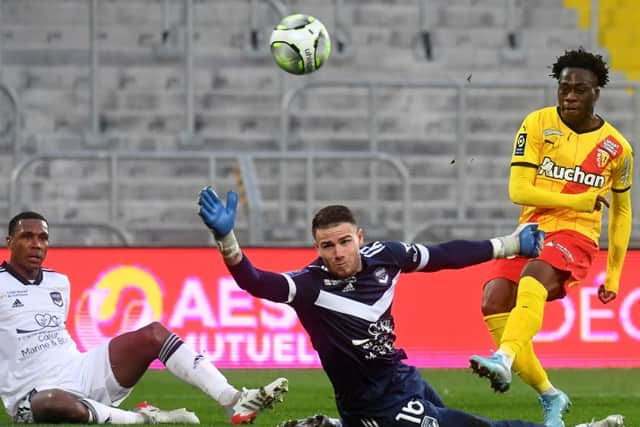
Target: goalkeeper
[[343, 300]]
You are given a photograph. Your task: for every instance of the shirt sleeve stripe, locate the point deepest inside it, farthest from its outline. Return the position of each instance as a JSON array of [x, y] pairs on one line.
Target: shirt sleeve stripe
[[424, 256], [524, 164], [292, 288], [622, 190]]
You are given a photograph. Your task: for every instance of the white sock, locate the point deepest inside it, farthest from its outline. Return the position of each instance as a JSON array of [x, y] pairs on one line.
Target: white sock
[[198, 371], [551, 391], [505, 358], [99, 413]]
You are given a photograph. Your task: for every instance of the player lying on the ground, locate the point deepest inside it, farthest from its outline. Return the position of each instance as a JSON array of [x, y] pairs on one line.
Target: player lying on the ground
[[45, 378], [343, 300]]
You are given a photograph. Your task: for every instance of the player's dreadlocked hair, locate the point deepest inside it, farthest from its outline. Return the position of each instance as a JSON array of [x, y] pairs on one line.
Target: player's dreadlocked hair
[[582, 59]]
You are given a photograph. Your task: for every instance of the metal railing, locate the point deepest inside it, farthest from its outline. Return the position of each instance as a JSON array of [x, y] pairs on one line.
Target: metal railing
[[122, 237], [93, 136], [245, 160], [11, 118], [428, 230], [462, 137], [463, 113]]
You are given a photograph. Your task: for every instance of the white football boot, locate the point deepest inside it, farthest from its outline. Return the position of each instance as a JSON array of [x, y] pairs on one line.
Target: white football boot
[[154, 415], [250, 402], [610, 421], [313, 421]]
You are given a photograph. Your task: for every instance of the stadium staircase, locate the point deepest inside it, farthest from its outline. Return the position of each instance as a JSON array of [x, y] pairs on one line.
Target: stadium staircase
[[136, 171]]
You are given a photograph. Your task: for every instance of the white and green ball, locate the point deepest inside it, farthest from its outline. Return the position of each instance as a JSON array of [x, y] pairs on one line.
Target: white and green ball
[[300, 44]]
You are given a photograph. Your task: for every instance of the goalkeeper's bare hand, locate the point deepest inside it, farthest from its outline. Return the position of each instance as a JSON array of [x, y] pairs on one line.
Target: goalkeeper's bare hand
[[605, 296]]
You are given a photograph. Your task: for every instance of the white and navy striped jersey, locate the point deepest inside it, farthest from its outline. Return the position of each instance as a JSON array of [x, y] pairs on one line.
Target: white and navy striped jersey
[[35, 342]]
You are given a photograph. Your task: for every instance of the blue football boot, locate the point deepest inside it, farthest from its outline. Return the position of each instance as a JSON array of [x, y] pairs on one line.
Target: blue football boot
[[494, 368], [553, 407]]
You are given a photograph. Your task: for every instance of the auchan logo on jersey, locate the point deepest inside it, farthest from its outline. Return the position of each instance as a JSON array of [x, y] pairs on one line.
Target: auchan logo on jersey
[[550, 169]]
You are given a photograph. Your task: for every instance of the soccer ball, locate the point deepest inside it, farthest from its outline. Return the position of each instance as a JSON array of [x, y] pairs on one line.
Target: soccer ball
[[300, 44]]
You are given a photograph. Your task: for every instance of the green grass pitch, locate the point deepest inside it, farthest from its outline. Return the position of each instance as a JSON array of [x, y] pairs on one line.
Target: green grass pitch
[[594, 392]]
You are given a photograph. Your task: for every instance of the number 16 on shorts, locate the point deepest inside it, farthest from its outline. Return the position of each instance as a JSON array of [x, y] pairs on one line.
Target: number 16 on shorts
[[413, 412]]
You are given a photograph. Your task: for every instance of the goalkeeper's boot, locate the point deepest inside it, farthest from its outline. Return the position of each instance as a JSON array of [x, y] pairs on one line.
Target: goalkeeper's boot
[[610, 421], [553, 407], [494, 368], [250, 402], [154, 415], [313, 421]]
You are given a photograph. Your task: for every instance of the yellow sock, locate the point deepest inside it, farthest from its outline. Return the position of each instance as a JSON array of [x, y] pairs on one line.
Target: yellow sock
[[526, 365], [525, 320], [495, 324]]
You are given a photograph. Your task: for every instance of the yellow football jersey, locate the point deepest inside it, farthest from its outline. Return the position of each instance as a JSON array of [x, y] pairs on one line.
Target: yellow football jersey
[[568, 162]]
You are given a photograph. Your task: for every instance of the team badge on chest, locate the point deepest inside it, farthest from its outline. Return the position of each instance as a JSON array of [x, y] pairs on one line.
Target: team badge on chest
[[602, 158], [56, 297], [381, 275]]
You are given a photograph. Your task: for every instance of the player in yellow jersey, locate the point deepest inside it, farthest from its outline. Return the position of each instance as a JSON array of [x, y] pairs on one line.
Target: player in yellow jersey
[[568, 163]]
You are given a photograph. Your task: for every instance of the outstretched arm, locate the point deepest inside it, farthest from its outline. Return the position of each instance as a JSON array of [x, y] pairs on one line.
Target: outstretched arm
[[220, 219], [525, 241], [262, 284]]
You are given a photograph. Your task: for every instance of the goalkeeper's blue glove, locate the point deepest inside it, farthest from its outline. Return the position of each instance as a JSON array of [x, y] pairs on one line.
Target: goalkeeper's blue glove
[[526, 240], [219, 218]]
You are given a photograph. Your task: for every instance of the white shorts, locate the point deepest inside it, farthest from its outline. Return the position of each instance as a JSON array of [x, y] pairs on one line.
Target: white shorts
[[88, 375]]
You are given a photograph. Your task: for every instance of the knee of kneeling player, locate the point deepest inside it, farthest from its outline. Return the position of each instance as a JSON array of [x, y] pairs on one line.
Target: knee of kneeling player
[[57, 406]]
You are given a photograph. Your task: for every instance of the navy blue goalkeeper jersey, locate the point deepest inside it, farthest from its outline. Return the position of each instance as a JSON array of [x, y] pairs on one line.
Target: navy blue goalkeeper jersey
[[349, 320]]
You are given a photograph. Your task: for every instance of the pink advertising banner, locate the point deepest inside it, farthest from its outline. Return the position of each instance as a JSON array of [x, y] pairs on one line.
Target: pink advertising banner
[[438, 317]]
